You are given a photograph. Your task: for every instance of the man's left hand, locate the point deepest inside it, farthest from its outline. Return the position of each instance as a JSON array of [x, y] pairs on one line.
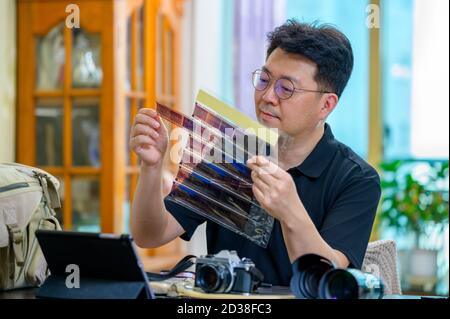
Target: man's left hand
[[274, 188]]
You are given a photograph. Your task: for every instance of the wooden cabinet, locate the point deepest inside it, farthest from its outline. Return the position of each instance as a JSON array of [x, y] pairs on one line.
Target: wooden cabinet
[[78, 92]]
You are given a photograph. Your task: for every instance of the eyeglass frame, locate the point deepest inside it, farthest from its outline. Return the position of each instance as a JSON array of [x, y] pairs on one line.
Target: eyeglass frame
[[293, 85]]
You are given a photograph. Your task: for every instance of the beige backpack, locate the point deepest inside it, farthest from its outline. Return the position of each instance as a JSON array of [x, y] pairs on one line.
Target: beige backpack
[[28, 197]]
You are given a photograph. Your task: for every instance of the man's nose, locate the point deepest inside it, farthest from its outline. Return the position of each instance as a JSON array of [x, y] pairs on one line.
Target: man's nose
[[270, 96]]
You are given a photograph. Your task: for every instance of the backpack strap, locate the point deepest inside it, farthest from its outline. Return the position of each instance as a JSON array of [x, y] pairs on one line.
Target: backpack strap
[[17, 239], [15, 235], [50, 192]]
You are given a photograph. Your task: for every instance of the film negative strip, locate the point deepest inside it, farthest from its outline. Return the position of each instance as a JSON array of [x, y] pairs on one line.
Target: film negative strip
[[236, 146], [217, 190], [195, 162], [216, 182], [221, 181], [215, 155], [245, 140], [232, 115], [257, 229], [213, 194], [187, 198], [214, 120]]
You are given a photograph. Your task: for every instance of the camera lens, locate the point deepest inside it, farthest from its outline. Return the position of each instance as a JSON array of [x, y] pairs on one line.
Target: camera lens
[[307, 272], [350, 284], [213, 279], [338, 284], [208, 278], [311, 279]]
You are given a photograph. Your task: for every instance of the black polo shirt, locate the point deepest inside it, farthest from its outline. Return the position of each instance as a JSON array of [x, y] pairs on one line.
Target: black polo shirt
[[340, 192]]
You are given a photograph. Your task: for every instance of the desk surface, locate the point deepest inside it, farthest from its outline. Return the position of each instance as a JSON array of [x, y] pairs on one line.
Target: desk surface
[[30, 293]]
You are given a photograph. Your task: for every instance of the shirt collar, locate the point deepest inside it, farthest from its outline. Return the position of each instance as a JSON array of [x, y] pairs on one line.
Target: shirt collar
[[320, 157]]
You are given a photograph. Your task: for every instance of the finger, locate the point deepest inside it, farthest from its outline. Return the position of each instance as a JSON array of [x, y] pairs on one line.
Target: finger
[[263, 166], [258, 160], [147, 120], [266, 167], [264, 176], [137, 146], [262, 186], [252, 160], [153, 114], [258, 194], [141, 129], [140, 141], [150, 112], [261, 178], [272, 169]]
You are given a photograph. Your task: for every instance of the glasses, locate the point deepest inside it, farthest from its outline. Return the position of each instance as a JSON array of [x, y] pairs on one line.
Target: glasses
[[284, 88]]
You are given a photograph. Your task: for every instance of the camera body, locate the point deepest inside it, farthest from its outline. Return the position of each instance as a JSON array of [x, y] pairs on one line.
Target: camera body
[[225, 272]]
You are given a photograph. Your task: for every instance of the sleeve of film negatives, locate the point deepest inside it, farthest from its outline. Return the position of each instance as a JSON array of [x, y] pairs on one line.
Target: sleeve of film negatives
[[185, 217]]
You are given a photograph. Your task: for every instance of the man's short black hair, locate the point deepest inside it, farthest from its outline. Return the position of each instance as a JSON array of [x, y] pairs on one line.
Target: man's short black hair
[[323, 44]]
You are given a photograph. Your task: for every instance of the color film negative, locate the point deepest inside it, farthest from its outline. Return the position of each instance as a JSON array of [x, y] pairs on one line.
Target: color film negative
[[215, 155], [236, 146], [257, 229], [253, 144], [194, 161], [217, 189], [213, 179]]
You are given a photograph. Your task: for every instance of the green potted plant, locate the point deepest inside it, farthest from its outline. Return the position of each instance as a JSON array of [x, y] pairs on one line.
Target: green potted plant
[[415, 201]]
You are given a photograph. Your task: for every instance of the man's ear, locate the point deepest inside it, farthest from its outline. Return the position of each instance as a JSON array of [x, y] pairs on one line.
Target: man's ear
[[329, 103]]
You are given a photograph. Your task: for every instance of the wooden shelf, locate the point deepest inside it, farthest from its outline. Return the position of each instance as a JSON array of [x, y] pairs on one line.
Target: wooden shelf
[[80, 170], [71, 92]]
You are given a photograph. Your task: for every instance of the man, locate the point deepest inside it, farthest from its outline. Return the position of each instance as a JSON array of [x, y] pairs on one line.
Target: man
[[322, 195]]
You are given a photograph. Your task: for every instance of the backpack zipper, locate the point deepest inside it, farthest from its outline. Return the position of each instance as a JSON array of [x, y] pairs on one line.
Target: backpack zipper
[[13, 186]]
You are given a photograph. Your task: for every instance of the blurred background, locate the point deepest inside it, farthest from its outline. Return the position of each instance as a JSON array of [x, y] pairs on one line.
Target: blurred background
[[74, 74]]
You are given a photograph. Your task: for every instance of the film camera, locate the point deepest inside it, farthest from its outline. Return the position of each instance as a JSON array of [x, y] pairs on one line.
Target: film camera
[[225, 272]]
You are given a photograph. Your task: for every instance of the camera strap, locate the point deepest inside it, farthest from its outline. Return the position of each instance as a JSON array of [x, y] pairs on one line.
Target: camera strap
[[181, 266], [258, 278]]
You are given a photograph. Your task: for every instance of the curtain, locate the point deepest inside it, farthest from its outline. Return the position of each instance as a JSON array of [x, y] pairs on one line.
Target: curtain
[[253, 19]]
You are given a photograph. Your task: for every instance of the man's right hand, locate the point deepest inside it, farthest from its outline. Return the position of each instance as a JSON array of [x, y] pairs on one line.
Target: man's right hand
[[149, 137]]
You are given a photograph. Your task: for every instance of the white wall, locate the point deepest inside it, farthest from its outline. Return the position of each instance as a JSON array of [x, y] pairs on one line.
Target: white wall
[[430, 105], [207, 39], [201, 68], [201, 37], [7, 79]]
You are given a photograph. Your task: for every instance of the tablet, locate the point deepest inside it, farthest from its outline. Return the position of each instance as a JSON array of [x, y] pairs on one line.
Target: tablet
[[108, 266]]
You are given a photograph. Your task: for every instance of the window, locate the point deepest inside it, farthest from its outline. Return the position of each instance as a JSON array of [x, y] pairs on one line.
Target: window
[[349, 121]]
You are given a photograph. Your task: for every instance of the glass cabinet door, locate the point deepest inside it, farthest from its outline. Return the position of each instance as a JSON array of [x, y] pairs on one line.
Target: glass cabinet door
[[135, 97], [67, 120], [86, 60], [85, 132], [68, 111], [86, 204], [49, 131], [50, 59], [86, 79], [76, 100]]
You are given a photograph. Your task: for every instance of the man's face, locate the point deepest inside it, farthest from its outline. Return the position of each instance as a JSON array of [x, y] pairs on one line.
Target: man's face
[[303, 111]]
